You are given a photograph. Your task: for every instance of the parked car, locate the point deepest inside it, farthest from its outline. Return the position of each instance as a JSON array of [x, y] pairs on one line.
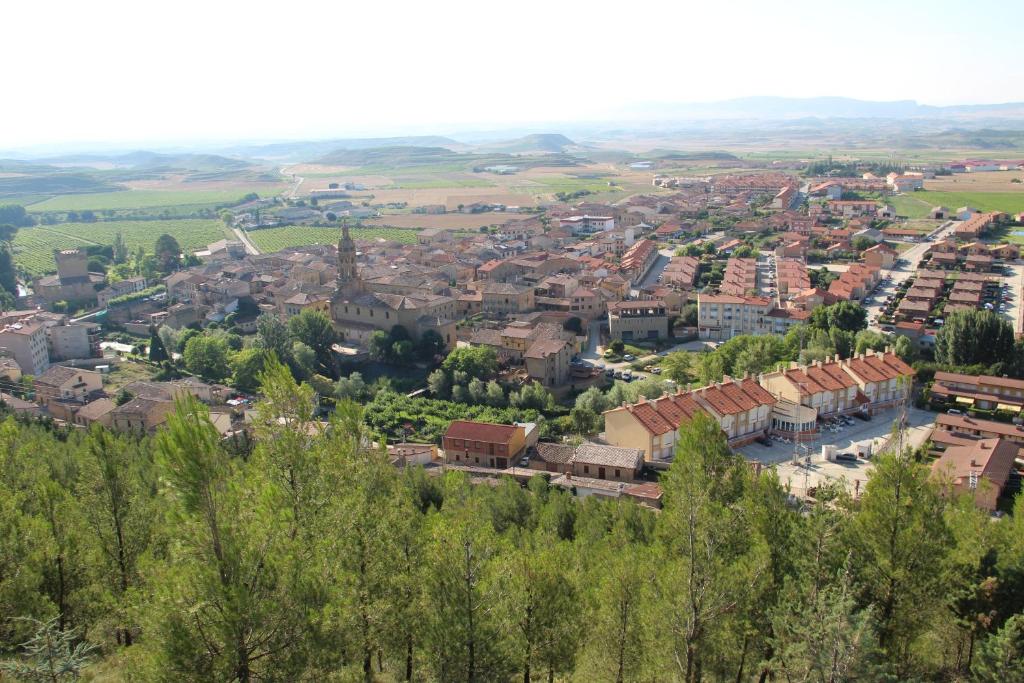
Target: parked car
[[630, 357]]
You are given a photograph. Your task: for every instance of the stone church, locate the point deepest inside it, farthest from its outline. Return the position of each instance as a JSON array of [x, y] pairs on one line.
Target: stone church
[[357, 313]]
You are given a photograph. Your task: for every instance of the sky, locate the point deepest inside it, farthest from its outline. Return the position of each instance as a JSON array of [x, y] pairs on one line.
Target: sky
[[220, 70]]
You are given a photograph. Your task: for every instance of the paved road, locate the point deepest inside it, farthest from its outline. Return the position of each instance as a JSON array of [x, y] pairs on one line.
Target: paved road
[[651, 278], [1014, 308], [250, 248], [292, 192], [900, 273]]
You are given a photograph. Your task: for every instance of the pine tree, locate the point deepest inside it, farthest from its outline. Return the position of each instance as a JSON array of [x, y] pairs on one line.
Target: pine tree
[[710, 558], [157, 351], [51, 655]]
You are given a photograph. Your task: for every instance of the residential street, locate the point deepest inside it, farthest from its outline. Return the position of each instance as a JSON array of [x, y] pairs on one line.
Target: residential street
[[900, 273]]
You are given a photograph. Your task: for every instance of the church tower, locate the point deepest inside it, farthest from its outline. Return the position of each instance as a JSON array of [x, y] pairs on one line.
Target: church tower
[[347, 275]]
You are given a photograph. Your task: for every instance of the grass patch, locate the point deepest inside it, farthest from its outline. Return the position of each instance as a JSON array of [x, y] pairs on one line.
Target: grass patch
[[34, 247], [910, 205]]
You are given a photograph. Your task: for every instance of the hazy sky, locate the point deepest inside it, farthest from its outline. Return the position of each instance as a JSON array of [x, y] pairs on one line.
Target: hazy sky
[[190, 71]]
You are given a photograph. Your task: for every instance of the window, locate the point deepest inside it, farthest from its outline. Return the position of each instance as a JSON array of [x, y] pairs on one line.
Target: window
[[586, 469]]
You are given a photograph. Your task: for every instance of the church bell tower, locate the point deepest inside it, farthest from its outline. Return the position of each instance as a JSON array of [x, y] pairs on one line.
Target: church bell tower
[[346, 259]]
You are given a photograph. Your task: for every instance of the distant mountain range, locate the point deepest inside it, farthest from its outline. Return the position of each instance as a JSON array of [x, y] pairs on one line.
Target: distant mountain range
[[774, 108], [304, 150]]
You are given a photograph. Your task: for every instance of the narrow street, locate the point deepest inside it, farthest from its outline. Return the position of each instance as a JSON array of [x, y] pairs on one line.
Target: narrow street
[[250, 248]]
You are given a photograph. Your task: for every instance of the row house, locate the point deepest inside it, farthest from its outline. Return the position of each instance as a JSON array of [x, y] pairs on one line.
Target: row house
[[855, 283], [792, 276], [741, 407], [963, 428], [823, 385], [982, 391], [973, 225], [638, 259], [883, 378], [740, 277], [682, 272]]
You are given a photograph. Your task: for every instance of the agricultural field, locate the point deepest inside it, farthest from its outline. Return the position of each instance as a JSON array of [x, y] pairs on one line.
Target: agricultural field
[[449, 221], [146, 199], [33, 247], [275, 239], [1010, 202], [987, 181], [421, 185]]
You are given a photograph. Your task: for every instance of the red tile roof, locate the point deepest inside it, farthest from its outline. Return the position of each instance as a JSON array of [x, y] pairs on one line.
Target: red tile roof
[[879, 367], [480, 431]]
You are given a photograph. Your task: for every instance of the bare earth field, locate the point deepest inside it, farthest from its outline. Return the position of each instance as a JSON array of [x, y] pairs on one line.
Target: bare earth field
[[321, 182], [450, 221], [994, 181]]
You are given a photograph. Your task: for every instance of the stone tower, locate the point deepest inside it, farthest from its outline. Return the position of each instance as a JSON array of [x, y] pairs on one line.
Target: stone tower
[[347, 275]]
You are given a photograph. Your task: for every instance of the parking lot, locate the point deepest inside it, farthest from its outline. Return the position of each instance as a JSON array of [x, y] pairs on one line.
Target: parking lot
[[801, 475]]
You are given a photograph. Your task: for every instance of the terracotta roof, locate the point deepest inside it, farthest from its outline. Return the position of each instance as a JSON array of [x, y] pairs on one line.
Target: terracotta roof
[[480, 431], [1006, 382], [989, 458], [878, 367]]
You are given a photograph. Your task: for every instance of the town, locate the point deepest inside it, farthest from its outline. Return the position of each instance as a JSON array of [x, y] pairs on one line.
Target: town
[[594, 324]]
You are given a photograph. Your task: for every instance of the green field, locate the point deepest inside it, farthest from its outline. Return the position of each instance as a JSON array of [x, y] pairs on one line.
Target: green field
[[910, 205], [146, 199], [33, 247], [276, 239], [1010, 202]]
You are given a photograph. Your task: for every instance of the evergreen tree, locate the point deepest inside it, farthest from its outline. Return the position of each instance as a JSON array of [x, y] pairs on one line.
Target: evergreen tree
[[899, 538], [157, 352]]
